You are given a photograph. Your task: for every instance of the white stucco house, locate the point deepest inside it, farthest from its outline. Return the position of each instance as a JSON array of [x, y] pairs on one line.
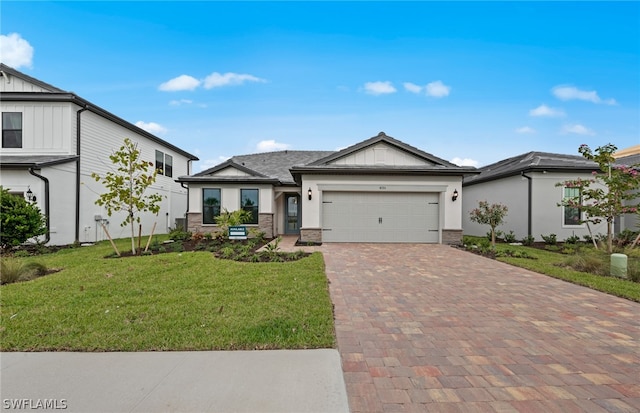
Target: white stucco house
[[52, 140], [526, 184], [379, 190]]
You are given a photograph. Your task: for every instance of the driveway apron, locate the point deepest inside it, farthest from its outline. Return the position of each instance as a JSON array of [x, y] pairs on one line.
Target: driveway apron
[[433, 328]]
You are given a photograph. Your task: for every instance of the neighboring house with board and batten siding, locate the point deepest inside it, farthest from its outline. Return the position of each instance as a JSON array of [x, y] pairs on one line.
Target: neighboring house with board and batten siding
[[52, 140]]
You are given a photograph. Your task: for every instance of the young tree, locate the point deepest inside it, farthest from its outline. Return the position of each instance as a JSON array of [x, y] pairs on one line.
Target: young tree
[[492, 215], [126, 186], [19, 220], [621, 183]]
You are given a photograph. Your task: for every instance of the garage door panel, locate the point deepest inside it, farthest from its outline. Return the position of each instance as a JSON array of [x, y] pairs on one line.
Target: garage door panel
[[380, 217]]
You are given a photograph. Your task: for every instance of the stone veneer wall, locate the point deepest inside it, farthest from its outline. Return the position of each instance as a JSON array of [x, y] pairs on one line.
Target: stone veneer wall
[[451, 236], [311, 235], [265, 224]]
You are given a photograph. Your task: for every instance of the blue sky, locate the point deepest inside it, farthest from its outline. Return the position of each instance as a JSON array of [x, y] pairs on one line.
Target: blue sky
[[472, 83]]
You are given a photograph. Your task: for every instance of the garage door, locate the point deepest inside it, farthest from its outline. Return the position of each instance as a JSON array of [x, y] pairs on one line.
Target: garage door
[[380, 217]]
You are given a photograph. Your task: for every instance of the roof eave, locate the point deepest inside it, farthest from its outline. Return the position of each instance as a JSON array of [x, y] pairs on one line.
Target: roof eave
[[526, 170]]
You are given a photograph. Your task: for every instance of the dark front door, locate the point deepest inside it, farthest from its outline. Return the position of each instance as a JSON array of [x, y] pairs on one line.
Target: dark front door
[[292, 214]]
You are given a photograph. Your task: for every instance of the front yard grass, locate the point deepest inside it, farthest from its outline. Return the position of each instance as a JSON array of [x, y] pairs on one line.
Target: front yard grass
[[173, 301], [549, 263]]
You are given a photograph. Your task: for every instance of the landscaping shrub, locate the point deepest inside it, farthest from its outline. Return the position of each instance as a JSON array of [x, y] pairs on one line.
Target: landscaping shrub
[[591, 263], [12, 270], [510, 237], [19, 220], [550, 239], [528, 240], [574, 239], [178, 234]]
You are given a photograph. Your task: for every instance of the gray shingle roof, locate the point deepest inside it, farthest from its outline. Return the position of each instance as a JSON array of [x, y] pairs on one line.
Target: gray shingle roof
[[529, 162], [267, 165], [28, 161]]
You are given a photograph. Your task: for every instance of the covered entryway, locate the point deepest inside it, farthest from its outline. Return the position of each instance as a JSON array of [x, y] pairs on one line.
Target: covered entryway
[[380, 217]]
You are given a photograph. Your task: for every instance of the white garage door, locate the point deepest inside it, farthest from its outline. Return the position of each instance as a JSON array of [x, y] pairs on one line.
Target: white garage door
[[380, 217]]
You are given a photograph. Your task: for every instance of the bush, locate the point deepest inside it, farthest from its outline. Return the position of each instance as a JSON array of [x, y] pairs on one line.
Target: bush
[[574, 239], [14, 270], [550, 239], [19, 220], [177, 234], [510, 237], [591, 263], [528, 240], [625, 238]]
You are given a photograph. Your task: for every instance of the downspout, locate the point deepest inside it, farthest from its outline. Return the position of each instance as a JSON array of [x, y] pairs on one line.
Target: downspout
[[78, 125], [529, 202], [47, 220]]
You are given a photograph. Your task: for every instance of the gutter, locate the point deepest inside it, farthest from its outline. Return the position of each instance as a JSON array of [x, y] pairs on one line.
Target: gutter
[[529, 198], [47, 236], [78, 134]]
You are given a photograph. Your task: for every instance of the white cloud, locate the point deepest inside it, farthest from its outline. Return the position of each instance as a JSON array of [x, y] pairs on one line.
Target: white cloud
[[438, 89], [544, 110], [412, 87], [465, 162], [577, 129], [15, 51], [573, 93], [181, 102], [216, 79], [379, 88], [151, 127], [182, 82], [271, 145], [525, 129]]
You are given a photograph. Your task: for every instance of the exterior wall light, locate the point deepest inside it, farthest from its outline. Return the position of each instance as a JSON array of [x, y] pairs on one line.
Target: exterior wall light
[[455, 195], [30, 196], [309, 193]]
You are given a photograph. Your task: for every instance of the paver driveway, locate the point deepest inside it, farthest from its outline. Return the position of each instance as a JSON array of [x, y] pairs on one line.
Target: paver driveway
[[433, 328]]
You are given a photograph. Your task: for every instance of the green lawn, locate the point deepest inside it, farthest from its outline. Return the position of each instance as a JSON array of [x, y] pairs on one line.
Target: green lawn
[[547, 262], [173, 301]]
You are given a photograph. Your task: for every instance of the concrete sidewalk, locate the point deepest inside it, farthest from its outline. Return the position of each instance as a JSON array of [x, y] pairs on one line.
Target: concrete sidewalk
[[207, 381]]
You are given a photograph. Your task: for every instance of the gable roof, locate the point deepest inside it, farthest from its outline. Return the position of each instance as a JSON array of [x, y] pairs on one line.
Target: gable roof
[[55, 94], [531, 162], [433, 165]]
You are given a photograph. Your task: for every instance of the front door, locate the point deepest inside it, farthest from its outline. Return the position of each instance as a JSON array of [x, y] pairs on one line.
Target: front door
[[292, 214]]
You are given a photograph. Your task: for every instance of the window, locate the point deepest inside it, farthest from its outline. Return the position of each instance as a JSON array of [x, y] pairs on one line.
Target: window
[[11, 130], [168, 165], [249, 202], [210, 205], [164, 164], [160, 162], [571, 214]]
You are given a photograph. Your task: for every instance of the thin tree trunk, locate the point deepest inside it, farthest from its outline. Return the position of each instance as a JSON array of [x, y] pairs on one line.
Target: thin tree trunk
[[609, 238]]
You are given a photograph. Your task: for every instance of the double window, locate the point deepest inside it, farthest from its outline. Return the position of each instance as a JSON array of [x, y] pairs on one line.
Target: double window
[[164, 164], [11, 130], [249, 202], [571, 215], [210, 205]]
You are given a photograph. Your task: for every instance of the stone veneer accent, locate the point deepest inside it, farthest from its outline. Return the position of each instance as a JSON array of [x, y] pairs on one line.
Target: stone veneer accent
[[265, 224], [451, 236], [311, 235]]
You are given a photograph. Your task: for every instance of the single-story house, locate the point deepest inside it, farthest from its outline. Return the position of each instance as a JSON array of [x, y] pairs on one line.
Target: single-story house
[[379, 190], [526, 184], [52, 140]]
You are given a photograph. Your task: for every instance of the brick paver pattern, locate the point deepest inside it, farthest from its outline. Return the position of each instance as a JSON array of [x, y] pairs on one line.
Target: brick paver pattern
[[433, 328]]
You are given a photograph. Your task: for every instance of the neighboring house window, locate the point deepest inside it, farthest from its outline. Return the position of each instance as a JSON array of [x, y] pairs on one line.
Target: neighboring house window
[[168, 165], [571, 214], [11, 130], [210, 205], [249, 202], [164, 164]]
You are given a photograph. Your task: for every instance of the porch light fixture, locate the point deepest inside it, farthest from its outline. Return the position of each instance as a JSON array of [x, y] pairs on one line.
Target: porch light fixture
[[30, 196], [309, 193], [455, 195]]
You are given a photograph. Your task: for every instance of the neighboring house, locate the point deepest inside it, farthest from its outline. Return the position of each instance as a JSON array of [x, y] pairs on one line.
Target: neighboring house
[[526, 184], [52, 140], [628, 157], [379, 190]]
